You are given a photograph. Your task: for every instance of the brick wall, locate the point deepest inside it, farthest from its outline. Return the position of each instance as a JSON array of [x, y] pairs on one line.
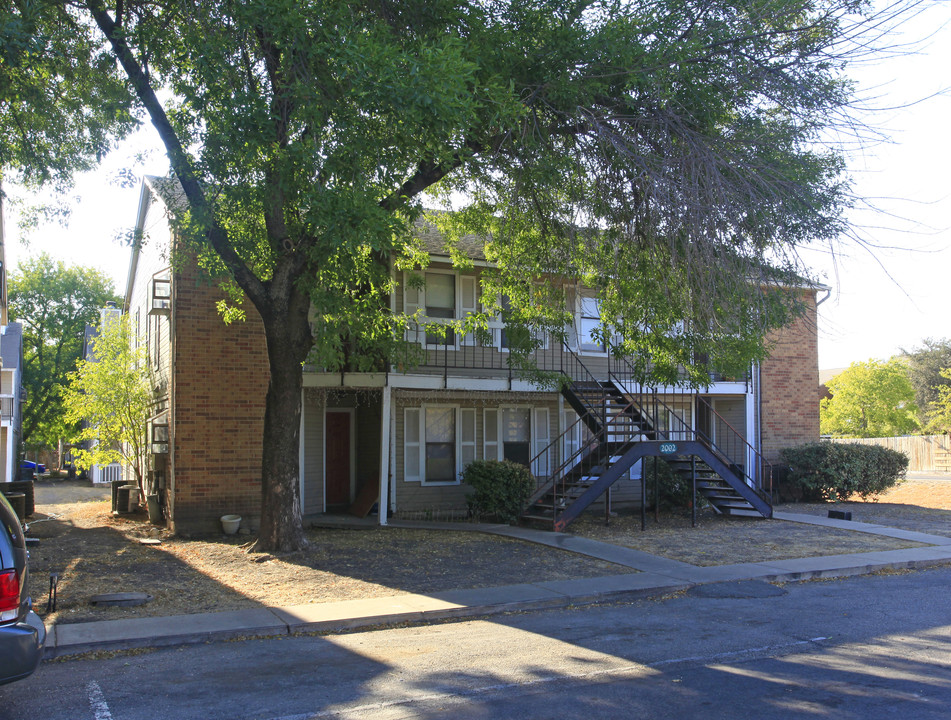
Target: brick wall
[[220, 385], [790, 381]]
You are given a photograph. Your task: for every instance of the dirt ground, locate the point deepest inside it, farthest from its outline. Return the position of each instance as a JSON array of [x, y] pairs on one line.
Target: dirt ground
[[922, 503], [94, 552]]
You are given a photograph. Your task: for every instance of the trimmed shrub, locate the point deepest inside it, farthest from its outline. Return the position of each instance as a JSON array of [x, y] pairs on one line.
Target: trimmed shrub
[[827, 471], [501, 488]]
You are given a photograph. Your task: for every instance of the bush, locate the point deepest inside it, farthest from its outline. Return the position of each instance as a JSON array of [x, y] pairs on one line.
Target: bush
[[501, 488], [674, 491], [827, 471]]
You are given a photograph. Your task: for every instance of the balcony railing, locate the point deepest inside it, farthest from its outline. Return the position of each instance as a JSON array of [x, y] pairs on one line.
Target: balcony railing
[[442, 350], [7, 407]]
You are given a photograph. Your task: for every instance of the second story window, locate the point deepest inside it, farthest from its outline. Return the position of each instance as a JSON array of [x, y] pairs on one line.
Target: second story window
[[589, 320], [440, 303]]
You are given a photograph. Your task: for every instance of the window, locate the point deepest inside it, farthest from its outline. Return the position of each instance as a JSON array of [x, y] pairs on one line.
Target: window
[[438, 442], [445, 296], [518, 434], [440, 303], [589, 321], [440, 457]]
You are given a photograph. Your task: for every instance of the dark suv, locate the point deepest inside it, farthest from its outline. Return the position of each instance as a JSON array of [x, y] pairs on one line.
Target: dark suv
[[22, 633]]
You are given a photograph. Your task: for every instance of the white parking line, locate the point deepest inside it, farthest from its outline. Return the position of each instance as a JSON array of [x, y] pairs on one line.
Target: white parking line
[[97, 701]]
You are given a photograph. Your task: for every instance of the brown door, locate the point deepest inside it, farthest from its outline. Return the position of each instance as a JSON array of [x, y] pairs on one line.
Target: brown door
[[337, 456]]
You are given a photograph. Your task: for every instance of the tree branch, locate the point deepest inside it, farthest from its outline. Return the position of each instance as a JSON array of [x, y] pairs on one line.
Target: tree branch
[[181, 163]]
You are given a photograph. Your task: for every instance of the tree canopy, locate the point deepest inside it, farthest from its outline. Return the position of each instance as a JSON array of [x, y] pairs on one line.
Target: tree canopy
[[926, 365], [670, 153], [54, 303], [870, 399]]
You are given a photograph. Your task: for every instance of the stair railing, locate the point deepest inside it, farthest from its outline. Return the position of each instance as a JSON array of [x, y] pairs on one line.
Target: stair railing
[[731, 444]]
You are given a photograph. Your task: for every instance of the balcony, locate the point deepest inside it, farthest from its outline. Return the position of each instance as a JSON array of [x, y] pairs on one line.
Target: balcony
[[7, 407], [431, 350]]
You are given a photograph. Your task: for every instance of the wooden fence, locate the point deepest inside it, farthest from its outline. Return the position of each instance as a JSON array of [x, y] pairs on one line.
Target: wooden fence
[[926, 453]]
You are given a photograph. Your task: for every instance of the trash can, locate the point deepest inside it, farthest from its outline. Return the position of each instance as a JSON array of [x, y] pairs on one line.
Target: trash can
[[116, 484], [22, 486], [18, 502]]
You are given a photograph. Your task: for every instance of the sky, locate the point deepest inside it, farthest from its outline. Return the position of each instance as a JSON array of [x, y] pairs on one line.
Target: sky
[[888, 292]]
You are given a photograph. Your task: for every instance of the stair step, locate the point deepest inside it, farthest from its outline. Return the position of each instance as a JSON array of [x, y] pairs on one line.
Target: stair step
[[723, 497]]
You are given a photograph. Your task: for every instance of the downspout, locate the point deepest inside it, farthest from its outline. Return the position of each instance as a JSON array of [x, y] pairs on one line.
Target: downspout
[[172, 397]]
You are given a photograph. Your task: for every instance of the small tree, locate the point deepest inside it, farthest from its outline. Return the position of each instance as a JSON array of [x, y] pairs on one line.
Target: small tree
[[110, 394], [870, 399]]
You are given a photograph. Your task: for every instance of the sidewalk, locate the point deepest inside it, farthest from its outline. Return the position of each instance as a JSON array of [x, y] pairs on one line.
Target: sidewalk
[[653, 576]]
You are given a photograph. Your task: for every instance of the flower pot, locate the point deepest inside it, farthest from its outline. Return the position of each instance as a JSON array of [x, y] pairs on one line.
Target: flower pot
[[230, 524]]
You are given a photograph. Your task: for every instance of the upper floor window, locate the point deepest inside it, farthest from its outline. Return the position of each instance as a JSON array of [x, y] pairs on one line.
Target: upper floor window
[[589, 321], [441, 303]]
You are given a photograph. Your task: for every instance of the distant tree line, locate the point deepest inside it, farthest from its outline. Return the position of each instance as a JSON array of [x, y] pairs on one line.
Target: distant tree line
[[907, 394]]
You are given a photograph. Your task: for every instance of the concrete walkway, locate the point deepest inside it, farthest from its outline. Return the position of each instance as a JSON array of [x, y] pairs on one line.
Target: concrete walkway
[[654, 576]]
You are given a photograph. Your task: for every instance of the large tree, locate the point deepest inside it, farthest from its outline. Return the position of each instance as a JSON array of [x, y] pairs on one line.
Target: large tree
[[870, 399], [667, 151], [54, 303], [926, 370]]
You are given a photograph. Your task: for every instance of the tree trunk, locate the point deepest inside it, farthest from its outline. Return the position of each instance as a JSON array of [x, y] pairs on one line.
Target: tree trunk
[[288, 342]]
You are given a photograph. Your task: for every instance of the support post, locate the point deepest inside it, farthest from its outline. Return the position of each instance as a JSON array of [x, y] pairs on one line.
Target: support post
[[383, 502], [693, 490]]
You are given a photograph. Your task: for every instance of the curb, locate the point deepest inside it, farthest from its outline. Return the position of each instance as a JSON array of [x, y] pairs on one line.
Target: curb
[[115, 635]]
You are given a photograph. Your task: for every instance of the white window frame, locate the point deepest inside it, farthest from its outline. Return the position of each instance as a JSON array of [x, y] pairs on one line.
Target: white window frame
[[497, 327], [582, 294], [539, 419], [416, 332], [464, 446]]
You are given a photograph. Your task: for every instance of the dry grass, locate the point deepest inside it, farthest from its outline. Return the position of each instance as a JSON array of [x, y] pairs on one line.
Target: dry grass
[[922, 504], [94, 553], [720, 540]]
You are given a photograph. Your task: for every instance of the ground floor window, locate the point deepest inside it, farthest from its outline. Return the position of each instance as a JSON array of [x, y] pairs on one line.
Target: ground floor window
[[519, 434], [439, 441]]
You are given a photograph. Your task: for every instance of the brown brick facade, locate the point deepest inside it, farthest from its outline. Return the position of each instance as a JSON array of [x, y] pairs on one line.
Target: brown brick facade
[[220, 382], [790, 378]]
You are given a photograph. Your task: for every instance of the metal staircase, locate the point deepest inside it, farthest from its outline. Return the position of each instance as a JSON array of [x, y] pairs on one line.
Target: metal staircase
[[620, 424]]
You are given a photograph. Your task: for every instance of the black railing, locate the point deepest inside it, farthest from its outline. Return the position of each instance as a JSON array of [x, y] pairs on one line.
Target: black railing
[[437, 348], [7, 407]]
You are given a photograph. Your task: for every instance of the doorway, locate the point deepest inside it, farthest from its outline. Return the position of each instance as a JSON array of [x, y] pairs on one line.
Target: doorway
[[338, 458]]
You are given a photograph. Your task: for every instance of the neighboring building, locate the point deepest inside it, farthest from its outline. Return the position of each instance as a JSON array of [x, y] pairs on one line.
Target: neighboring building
[[11, 377], [417, 428]]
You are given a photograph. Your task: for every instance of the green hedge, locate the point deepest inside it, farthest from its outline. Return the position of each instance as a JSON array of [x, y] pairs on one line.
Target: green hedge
[[500, 488], [827, 471]]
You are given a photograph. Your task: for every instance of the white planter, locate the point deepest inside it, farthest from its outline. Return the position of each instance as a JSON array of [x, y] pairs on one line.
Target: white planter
[[230, 524]]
